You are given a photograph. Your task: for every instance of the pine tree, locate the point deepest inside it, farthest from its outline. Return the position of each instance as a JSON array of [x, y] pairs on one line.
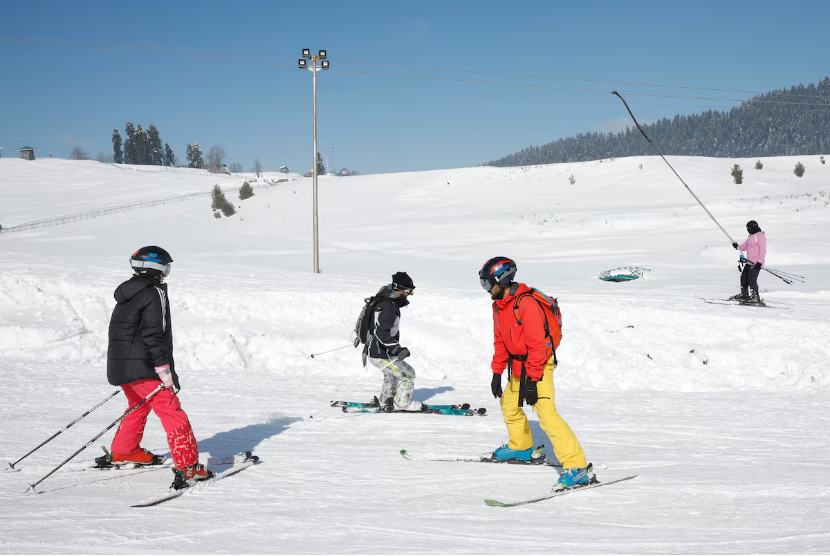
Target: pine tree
[[738, 174], [140, 141], [799, 169], [246, 191], [220, 202], [194, 156], [169, 155], [759, 165], [117, 153], [155, 154], [129, 144], [321, 170]]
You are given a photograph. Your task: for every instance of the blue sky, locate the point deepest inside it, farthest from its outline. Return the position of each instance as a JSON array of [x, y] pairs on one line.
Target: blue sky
[[57, 97]]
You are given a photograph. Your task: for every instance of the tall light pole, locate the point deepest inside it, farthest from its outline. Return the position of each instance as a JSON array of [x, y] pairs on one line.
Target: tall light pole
[[314, 68], [333, 160]]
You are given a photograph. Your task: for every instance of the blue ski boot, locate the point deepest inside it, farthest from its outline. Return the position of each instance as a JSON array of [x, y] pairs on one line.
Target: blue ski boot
[[506, 453], [576, 477]]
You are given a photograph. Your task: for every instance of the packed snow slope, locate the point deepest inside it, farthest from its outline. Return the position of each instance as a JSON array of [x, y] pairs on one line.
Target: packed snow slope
[[720, 409]]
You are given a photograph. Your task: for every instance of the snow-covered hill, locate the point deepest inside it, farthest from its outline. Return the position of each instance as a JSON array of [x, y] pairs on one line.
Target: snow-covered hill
[[720, 409]]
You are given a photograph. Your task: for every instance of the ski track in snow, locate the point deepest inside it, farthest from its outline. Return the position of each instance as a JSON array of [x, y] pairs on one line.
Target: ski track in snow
[[721, 410]]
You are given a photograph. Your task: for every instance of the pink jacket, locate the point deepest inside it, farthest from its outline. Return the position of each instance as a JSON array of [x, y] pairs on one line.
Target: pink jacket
[[755, 247]]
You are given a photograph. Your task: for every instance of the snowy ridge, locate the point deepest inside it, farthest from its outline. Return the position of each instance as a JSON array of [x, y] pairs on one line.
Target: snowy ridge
[[675, 345]]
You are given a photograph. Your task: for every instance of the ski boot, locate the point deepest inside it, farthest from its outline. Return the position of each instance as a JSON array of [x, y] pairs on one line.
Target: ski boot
[[754, 299], [188, 476], [138, 458], [740, 297], [505, 453], [386, 406], [576, 477]]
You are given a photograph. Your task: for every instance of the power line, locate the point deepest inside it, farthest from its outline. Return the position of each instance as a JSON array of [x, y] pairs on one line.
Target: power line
[[54, 42], [421, 68]]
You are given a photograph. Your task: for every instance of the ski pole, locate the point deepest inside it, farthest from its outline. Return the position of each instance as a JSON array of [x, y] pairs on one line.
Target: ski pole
[[93, 408], [787, 274], [789, 279], [670, 166], [331, 350], [100, 434]]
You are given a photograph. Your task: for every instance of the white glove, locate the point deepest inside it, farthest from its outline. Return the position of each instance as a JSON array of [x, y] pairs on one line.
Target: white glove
[[166, 377]]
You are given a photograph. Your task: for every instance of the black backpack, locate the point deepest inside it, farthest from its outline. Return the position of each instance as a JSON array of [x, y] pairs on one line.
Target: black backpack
[[364, 327]]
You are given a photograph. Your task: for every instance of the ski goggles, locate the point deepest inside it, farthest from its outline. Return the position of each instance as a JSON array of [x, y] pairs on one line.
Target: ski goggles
[[164, 268], [407, 291], [487, 282]]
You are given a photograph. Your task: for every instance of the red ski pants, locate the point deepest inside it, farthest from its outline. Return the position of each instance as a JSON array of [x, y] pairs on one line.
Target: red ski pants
[[173, 418]]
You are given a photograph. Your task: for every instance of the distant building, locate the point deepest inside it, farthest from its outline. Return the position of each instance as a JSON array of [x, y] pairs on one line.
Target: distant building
[[284, 169], [27, 153]]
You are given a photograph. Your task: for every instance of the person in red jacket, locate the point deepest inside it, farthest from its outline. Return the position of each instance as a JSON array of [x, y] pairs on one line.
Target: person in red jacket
[[526, 350]]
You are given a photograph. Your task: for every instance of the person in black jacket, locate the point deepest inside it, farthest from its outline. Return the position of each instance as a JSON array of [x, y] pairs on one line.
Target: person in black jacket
[[385, 351], [139, 357]]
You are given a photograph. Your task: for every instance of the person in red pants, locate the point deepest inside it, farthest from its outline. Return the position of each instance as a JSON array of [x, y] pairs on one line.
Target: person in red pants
[[140, 355]]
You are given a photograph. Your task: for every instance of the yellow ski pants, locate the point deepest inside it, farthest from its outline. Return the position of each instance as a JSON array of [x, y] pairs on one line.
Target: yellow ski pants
[[565, 445]]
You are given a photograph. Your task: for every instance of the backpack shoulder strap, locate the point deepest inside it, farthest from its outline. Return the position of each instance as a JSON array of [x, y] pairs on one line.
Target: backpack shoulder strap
[[533, 297], [516, 305]]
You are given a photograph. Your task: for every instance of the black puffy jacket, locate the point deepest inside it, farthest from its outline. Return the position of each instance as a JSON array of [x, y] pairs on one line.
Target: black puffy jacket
[[140, 335], [386, 326]]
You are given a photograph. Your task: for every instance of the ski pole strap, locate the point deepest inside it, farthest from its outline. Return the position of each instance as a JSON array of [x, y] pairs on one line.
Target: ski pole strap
[[522, 378]]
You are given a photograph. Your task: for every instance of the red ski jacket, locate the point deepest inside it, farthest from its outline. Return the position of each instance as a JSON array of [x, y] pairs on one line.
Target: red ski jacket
[[525, 339]]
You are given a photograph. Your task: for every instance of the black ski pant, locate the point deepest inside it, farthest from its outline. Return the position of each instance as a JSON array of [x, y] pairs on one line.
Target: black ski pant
[[749, 277]]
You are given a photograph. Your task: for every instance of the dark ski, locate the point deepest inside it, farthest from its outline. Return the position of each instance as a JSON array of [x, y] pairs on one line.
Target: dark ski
[[433, 410], [375, 404], [738, 303]]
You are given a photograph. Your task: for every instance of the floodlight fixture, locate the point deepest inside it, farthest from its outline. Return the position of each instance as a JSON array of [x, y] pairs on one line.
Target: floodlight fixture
[[302, 63], [325, 64], [322, 54], [307, 53]]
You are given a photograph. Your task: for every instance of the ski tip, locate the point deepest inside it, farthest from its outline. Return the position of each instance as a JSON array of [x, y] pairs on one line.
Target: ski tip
[[495, 504]]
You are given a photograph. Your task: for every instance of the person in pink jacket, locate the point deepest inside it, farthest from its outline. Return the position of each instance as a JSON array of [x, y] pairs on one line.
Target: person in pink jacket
[[756, 251]]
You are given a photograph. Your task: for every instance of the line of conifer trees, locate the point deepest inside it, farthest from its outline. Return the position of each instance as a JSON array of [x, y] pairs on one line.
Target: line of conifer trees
[[784, 122], [142, 146]]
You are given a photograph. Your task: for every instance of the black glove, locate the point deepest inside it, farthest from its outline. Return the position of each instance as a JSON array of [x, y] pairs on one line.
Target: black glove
[[400, 352], [757, 266], [495, 385], [735, 244], [529, 392]]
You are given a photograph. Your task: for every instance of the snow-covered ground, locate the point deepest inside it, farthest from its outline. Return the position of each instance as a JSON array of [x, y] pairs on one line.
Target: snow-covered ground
[[721, 410]]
